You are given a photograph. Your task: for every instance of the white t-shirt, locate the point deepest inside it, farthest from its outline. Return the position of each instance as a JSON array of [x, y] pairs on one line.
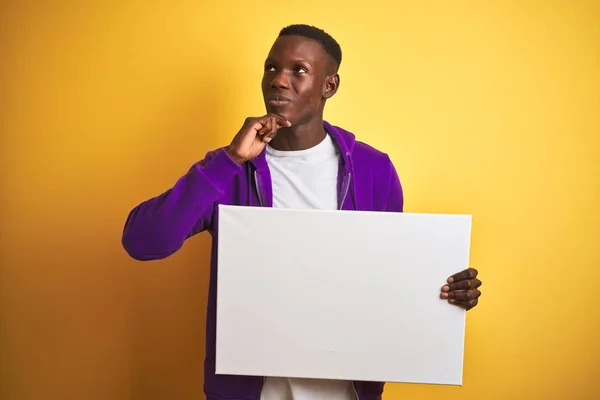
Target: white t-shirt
[[306, 179]]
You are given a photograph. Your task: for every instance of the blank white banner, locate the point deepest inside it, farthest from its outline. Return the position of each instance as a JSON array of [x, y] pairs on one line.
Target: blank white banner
[[340, 294]]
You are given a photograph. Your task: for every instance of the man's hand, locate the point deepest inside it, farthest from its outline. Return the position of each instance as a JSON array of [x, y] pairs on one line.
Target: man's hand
[[254, 135], [462, 289]]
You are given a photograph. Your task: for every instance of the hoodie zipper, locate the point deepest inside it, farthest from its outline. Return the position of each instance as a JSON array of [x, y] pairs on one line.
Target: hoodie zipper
[[346, 182], [345, 188], [258, 189]]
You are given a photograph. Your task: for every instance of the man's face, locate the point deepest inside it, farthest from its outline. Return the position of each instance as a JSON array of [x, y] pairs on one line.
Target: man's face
[[294, 80]]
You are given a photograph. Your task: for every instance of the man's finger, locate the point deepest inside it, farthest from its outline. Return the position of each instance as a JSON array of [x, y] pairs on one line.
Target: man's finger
[[271, 127], [278, 119], [466, 304], [266, 127], [462, 295], [272, 131], [462, 285], [282, 122], [258, 126], [468, 273]]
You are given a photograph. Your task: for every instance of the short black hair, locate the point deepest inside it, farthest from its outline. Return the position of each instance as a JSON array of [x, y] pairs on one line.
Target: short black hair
[[329, 44]]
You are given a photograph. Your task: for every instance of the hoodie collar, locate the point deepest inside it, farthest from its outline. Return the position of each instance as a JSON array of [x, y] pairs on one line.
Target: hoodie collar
[[343, 139]]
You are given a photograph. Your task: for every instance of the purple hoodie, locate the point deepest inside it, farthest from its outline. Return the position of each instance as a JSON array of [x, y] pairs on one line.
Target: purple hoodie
[[158, 227]]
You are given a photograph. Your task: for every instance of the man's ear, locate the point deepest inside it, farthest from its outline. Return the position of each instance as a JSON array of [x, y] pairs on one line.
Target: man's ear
[[332, 83]]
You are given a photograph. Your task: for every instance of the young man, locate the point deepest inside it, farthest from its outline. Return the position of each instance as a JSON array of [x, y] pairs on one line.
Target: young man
[[289, 158]]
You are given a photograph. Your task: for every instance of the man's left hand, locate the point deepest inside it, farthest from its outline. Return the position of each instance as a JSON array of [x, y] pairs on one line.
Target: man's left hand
[[462, 289]]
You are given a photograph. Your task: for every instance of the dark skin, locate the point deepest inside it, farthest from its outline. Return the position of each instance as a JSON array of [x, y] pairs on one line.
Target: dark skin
[[300, 70], [462, 289], [299, 77]]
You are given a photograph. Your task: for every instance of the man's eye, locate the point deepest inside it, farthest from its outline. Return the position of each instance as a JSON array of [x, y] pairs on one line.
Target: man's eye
[[269, 68], [301, 70]]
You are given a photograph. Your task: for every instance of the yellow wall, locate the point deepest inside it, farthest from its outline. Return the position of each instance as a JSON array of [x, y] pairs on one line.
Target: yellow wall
[[489, 108]]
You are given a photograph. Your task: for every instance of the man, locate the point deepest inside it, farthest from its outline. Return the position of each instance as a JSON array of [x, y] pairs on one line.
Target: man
[[289, 158]]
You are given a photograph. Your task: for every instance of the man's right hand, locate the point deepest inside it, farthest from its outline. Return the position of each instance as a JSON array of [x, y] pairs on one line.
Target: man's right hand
[[251, 140]]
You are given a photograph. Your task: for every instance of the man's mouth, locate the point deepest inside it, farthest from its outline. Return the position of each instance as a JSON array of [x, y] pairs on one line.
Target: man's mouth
[[278, 101]]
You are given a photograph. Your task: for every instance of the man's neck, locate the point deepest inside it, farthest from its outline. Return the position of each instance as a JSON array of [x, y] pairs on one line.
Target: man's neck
[[300, 137]]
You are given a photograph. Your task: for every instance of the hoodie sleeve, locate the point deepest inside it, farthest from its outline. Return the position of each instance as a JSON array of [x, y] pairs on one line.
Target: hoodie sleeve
[[159, 226], [395, 198]]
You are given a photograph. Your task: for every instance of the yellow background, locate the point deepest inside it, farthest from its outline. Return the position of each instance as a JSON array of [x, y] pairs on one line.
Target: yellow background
[[489, 108]]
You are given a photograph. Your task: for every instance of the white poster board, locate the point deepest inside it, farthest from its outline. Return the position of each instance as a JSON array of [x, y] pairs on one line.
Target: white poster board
[[340, 294]]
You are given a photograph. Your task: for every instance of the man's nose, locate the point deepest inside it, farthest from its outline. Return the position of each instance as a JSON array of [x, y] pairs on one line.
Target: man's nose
[[280, 81]]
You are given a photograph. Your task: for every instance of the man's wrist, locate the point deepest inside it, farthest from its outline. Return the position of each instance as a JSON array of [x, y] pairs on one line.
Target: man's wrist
[[234, 156]]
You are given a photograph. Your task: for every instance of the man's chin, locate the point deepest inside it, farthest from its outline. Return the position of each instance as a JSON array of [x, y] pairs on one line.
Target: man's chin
[[278, 111]]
